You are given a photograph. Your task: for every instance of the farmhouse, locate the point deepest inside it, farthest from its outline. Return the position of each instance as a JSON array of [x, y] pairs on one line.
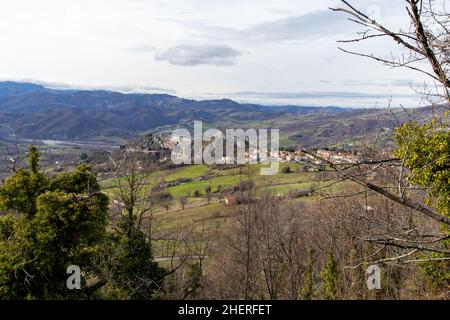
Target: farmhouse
[[231, 200]]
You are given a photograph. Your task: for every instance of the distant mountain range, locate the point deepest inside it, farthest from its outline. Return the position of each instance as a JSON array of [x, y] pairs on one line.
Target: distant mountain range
[[35, 112]]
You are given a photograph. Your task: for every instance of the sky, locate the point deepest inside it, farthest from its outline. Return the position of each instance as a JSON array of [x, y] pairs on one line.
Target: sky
[[260, 51]]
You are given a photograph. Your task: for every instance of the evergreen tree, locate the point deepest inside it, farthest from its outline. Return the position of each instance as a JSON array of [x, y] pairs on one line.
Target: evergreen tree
[[19, 193], [330, 277], [51, 224], [33, 159], [130, 268], [425, 150], [307, 292]]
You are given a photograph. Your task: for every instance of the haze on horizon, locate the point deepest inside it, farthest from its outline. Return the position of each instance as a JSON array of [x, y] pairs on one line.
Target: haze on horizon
[[267, 52]]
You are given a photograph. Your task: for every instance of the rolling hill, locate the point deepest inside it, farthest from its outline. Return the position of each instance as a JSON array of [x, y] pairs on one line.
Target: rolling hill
[[33, 111]]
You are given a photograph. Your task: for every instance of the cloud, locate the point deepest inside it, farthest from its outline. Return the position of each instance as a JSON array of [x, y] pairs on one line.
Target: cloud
[[313, 25], [141, 89], [314, 94], [108, 87], [188, 55], [310, 26], [387, 83], [355, 99], [141, 49]]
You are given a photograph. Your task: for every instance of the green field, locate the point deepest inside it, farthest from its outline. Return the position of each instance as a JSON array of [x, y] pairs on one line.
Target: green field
[[214, 217], [189, 172]]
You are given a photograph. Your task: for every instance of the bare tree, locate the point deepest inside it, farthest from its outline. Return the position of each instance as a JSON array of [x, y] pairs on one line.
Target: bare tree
[[426, 39], [183, 201], [134, 193]]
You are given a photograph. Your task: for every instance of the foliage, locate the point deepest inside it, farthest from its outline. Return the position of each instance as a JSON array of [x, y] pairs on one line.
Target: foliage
[[437, 272], [425, 150], [53, 223], [20, 192], [330, 277], [129, 265], [307, 292], [286, 169], [33, 159], [194, 275], [81, 180], [133, 274], [196, 194]]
